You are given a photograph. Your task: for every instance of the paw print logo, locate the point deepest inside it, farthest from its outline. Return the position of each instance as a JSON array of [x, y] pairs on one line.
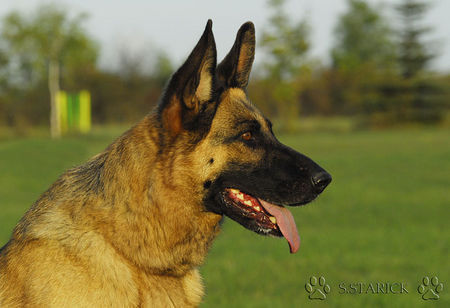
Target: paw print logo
[[317, 288], [430, 288]]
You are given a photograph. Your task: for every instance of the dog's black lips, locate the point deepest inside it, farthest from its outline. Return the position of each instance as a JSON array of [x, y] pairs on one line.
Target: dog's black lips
[[256, 220], [281, 178], [260, 216]]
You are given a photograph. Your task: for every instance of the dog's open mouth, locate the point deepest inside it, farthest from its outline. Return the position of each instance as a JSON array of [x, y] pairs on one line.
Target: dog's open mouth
[[270, 218]]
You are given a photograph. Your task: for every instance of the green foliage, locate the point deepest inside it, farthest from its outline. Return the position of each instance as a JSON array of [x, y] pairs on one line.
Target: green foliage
[[420, 100], [414, 53], [126, 94], [47, 34], [366, 78], [286, 43], [363, 37], [364, 53], [47, 46], [163, 68], [29, 42], [383, 218]]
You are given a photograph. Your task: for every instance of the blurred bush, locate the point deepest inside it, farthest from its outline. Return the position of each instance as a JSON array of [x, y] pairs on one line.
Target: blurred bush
[[378, 74]]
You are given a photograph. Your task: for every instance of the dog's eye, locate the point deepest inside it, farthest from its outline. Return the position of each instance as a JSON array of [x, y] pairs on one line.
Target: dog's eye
[[247, 136]]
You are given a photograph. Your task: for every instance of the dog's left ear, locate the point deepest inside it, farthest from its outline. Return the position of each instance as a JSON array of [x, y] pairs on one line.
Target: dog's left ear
[[189, 92], [235, 68]]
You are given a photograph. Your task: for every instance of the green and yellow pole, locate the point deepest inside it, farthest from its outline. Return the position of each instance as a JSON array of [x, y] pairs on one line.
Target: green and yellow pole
[[85, 111], [61, 100]]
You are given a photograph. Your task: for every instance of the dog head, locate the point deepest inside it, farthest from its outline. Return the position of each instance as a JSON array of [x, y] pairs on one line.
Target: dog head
[[233, 163]]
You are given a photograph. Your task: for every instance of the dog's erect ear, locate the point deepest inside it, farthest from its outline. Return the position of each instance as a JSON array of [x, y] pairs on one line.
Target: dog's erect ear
[[235, 68], [191, 87]]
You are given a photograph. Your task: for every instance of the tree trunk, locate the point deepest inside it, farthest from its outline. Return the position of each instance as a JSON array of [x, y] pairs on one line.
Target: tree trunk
[[53, 86]]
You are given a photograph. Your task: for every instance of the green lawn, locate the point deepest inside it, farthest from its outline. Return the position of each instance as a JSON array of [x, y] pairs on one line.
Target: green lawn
[[384, 218]]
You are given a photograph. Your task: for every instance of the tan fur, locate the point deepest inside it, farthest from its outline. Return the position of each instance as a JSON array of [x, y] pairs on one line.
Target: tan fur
[[204, 89], [234, 104], [129, 227], [111, 252]]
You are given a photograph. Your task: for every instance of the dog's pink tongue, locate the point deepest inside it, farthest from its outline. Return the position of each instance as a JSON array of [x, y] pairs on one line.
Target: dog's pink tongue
[[285, 222]]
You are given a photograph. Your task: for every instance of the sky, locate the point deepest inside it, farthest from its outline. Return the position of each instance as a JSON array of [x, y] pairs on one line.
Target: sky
[[174, 26]]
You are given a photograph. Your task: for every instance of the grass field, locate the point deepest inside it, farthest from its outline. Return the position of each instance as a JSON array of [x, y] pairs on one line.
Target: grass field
[[384, 218]]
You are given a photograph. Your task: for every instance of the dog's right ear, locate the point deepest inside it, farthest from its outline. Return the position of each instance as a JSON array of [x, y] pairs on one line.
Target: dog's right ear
[[190, 90]]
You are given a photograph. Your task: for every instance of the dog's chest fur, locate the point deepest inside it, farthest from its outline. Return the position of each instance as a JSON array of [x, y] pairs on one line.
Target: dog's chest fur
[[101, 241]]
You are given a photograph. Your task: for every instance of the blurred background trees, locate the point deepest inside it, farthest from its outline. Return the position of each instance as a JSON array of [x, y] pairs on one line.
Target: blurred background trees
[[379, 71], [364, 54], [414, 52], [286, 44], [363, 37], [42, 46], [426, 91]]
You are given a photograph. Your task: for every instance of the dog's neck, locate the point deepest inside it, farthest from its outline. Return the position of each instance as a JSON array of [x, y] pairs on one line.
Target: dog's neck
[[142, 194], [168, 232]]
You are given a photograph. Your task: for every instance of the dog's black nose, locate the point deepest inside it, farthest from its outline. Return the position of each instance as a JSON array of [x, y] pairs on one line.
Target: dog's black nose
[[321, 180]]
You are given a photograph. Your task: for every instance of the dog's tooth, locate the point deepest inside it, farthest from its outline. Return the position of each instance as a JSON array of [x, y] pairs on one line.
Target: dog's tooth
[[248, 202], [273, 220], [257, 208]]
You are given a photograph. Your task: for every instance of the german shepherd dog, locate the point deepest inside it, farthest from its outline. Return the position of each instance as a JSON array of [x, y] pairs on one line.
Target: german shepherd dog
[[130, 227]]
